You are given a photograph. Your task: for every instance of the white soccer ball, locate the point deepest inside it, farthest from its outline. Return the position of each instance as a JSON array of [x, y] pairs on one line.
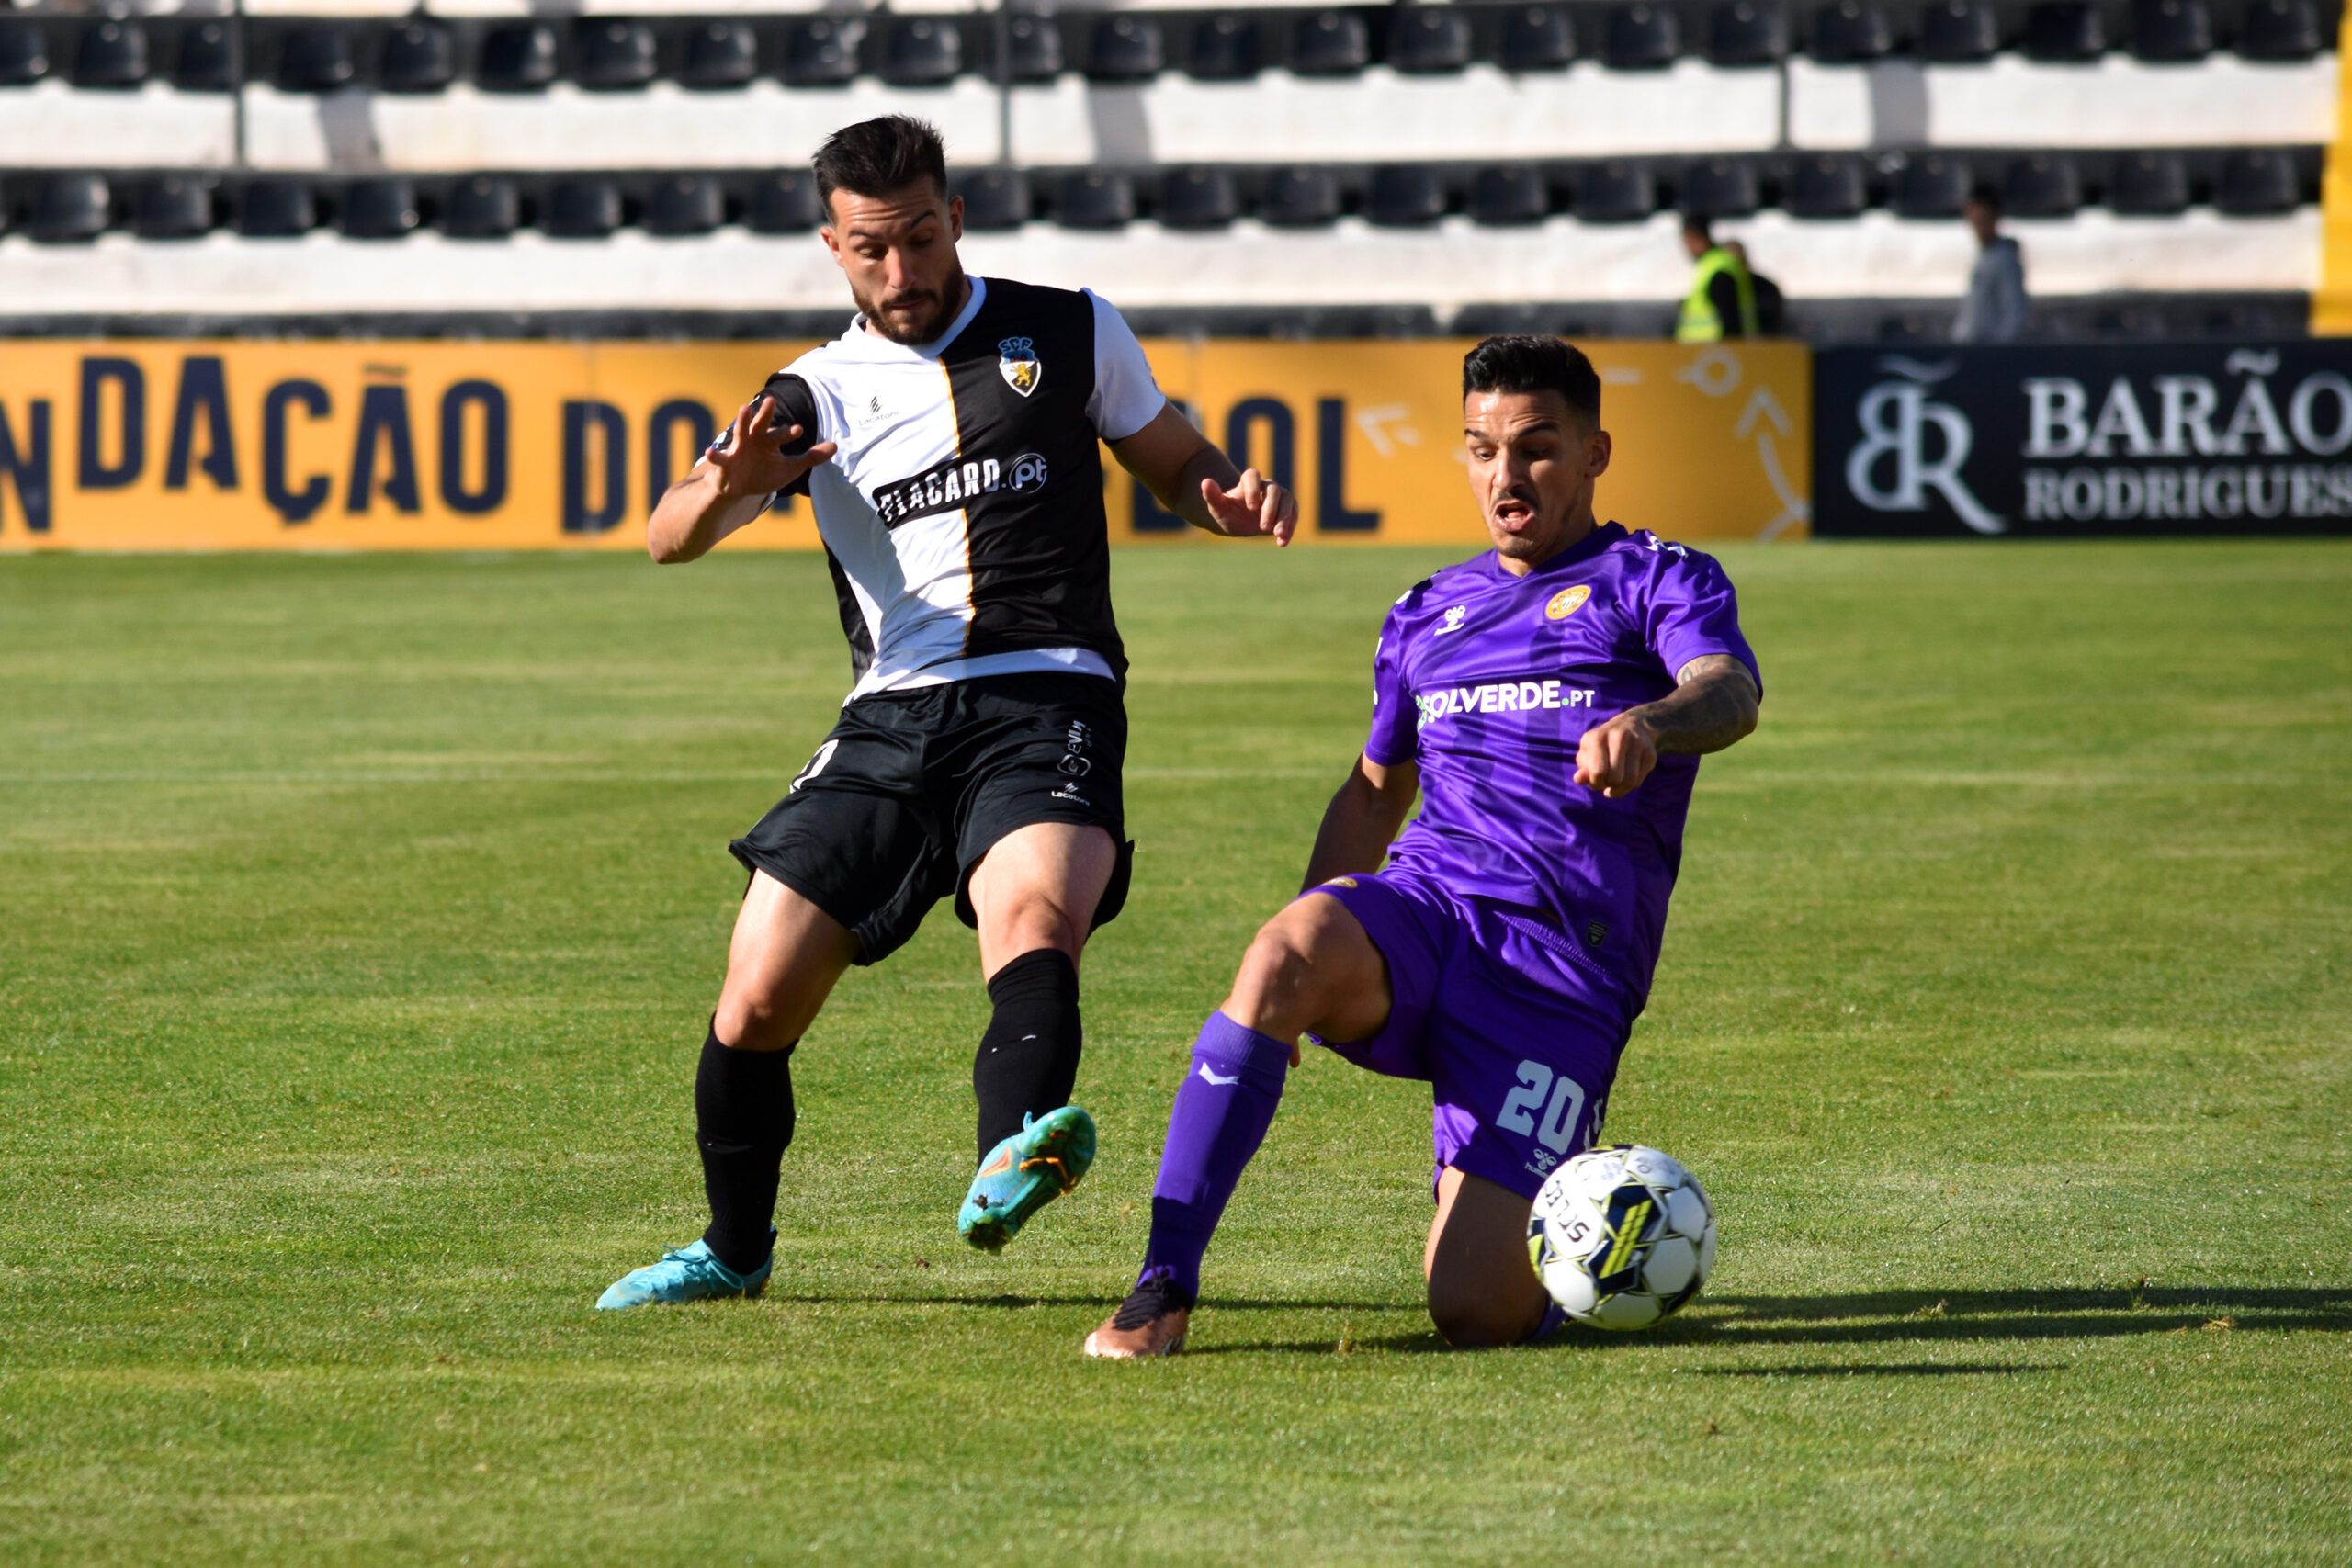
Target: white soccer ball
[[1621, 1236]]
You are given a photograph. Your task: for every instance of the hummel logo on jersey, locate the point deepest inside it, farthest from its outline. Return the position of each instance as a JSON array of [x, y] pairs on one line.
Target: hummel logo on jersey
[[1451, 620], [1017, 358], [1218, 1078], [947, 485]]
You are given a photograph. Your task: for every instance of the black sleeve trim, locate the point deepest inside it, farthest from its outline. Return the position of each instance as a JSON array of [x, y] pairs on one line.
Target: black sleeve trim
[[795, 405]]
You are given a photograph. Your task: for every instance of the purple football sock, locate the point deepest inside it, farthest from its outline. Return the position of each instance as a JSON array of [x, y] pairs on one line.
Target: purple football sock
[[1220, 1117]]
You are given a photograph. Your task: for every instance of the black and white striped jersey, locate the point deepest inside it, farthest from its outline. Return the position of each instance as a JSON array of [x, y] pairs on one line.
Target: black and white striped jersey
[[963, 515]]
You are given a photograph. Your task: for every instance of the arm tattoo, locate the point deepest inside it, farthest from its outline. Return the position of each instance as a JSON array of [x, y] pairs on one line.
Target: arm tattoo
[[1714, 705]]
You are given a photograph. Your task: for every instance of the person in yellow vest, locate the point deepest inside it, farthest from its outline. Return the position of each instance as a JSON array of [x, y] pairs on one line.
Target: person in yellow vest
[[1721, 302]]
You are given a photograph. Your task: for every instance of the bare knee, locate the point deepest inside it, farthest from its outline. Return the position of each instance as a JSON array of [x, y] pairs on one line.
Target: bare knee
[[1473, 1322], [746, 1020], [1269, 987]]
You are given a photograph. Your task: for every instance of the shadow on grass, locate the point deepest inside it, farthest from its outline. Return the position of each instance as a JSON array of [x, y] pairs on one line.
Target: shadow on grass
[[2008, 1315], [1897, 1369]]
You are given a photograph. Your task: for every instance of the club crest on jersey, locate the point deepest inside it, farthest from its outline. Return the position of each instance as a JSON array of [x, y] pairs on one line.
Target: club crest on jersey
[[1017, 358], [1567, 603]]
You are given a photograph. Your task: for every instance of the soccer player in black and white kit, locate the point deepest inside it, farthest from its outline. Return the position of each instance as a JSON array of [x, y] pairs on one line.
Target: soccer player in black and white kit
[[948, 442]]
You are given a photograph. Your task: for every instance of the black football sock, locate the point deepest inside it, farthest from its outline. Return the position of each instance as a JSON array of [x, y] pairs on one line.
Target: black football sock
[[743, 1123], [1028, 1059]]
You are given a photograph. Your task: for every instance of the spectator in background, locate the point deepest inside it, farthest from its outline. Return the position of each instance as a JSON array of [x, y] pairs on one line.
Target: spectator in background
[[1771, 310], [1721, 302], [1994, 307]]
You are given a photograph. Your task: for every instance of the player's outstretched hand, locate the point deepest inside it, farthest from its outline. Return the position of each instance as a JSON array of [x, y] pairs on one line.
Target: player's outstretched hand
[[1254, 505], [749, 456], [1615, 757]]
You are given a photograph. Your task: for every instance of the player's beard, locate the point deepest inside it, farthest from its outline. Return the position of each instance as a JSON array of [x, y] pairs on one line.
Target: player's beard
[[933, 308]]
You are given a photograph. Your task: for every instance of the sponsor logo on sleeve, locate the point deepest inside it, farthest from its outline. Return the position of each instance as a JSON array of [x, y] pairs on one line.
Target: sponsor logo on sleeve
[[1016, 358], [1566, 602], [1450, 621]]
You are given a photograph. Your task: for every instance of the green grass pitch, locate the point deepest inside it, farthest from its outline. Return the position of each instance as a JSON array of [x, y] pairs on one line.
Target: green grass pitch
[[358, 918]]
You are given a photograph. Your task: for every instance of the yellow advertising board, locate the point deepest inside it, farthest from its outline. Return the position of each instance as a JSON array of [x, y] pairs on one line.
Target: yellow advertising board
[[153, 445]]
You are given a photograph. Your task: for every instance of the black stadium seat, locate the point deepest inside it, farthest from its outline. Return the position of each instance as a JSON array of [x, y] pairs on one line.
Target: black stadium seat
[[1225, 48], [24, 51], [821, 52], [994, 199], [612, 54], [783, 203], [1619, 191], [1095, 198], [277, 209], [1720, 188], [2256, 182], [482, 206], [419, 56], [1404, 196], [1931, 185], [112, 54], [2148, 184], [1329, 43], [582, 207], [1743, 33], [1035, 47], [316, 58], [2171, 29], [1536, 38], [1953, 31], [1301, 197], [922, 52], [719, 53], [1641, 38], [1848, 32], [1508, 195], [1826, 184], [2063, 30], [685, 204], [206, 61], [1430, 40], [1125, 48], [2279, 30], [516, 57], [383, 208], [1198, 199], [175, 207], [73, 208], [2041, 185]]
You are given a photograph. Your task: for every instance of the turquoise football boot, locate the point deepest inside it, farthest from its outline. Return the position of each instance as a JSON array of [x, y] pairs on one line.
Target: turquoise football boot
[[685, 1274], [1024, 1173]]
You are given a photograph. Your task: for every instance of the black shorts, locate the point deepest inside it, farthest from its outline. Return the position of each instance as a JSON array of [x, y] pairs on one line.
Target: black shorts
[[912, 788]]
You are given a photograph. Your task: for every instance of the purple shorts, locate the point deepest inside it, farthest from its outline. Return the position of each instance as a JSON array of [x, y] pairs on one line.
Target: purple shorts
[[1516, 1033]]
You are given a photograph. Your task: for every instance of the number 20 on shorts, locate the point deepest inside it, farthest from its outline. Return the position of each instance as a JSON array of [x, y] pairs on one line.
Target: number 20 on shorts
[[1559, 1098]]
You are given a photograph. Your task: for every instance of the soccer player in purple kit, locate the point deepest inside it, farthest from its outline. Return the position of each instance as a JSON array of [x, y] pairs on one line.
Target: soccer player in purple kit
[[1549, 701]]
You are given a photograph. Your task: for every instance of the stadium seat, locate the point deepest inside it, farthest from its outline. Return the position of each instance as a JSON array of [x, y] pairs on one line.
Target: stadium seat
[[2041, 185], [782, 203], [24, 51], [1619, 191], [1641, 38], [72, 208], [207, 62], [2148, 184], [1850, 32], [316, 58], [1720, 188], [2279, 30], [1930, 185], [922, 52], [1301, 197], [1035, 47], [1404, 196], [1198, 199], [587, 207], [1509, 194], [112, 54], [718, 54], [1743, 33], [610, 54], [383, 208], [175, 207], [277, 209], [1536, 38], [685, 204], [1125, 48], [482, 206], [2171, 29], [2063, 30], [1826, 184], [994, 199], [1329, 43], [1428, 41], [1095, 198], [1225, 48], [821, 52], [2255, 181], [419, 56], [516, 57], [1954, 32]]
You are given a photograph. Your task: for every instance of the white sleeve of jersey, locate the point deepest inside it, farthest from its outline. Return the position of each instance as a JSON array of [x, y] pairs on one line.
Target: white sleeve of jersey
[[1125, 397]]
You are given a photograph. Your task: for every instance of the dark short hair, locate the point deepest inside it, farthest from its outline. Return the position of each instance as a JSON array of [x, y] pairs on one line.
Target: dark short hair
[[1986, 197], [1698, 223], [877, 157], [1534, 364]]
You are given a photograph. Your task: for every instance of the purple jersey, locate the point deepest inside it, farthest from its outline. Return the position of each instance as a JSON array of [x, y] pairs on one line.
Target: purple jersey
[[1487, 682]]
